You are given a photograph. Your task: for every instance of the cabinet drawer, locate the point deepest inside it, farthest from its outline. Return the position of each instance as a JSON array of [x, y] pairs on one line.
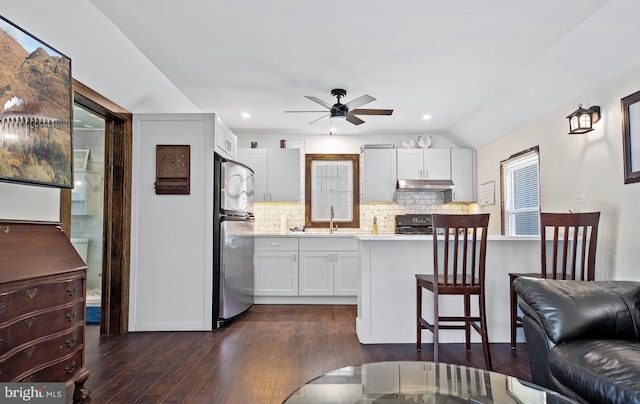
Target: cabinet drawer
[[29, 328], [39, 354], [61, 371], [20, 300], [276, 243], [332, 243]]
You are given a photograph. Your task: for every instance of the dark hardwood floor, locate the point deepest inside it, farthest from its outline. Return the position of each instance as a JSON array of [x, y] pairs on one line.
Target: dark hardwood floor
[[261, 357]]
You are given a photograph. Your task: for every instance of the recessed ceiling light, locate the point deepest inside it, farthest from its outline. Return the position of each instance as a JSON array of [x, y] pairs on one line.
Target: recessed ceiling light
[[426, 117], [246, 115]]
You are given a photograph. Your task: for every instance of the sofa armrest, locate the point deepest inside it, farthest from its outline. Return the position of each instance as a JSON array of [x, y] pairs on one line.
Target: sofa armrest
[[570, 310]]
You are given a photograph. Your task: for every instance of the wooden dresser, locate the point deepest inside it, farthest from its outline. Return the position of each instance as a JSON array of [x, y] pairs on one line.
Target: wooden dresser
[[42, 306]]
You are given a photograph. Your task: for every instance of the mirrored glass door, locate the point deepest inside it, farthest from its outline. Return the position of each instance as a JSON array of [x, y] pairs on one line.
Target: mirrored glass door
[[87, 201]]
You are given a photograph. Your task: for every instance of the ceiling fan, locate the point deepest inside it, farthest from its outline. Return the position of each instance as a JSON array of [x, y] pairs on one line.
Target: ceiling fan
[[346, 111]]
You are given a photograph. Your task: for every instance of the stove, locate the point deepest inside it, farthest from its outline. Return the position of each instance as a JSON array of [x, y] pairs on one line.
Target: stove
[[414, 224]]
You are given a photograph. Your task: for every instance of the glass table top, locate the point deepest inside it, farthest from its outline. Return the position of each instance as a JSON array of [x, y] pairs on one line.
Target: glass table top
[[420, 382]]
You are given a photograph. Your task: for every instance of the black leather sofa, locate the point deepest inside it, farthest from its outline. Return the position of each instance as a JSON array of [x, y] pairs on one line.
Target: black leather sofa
[[583, 338]]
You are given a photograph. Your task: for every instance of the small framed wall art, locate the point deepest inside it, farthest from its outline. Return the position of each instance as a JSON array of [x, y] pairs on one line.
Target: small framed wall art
[[631, 137], [173, 169]]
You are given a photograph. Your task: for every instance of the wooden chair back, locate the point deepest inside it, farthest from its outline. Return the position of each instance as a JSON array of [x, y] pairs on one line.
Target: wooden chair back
[[568, 245], [462, 239]]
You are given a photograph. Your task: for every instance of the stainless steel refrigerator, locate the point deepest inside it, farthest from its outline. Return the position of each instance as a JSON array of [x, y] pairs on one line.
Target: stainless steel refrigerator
[[233, 240]]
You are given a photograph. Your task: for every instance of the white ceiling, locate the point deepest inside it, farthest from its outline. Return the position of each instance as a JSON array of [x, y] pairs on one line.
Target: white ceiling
[[479, 68]]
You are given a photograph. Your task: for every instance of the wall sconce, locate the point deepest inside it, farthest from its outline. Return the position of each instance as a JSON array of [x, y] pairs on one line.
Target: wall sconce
[[582, 120]]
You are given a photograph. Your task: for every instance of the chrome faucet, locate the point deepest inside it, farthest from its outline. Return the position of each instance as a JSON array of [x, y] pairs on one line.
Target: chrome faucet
[[331, 216]]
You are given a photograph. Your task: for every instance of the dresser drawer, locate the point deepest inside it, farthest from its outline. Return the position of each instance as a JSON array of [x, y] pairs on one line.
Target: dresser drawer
[[29, 328], [61, 371], [25, 299], [39, 354]]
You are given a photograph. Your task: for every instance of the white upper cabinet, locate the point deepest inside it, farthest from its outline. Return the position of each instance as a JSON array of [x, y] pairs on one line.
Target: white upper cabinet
[[379, 175], [226, 140], [463, 175], [422, 164], [276, 173]]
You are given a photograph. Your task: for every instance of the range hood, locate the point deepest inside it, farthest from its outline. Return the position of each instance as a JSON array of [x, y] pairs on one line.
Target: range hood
[[424, 185]]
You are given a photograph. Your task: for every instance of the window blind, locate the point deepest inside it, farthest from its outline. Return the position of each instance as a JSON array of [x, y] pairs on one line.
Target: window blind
[[521, 194]]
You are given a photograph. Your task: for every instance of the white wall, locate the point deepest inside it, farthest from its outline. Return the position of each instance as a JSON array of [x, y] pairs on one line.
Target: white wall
[[23, 202], [573, 163], [172, 235]]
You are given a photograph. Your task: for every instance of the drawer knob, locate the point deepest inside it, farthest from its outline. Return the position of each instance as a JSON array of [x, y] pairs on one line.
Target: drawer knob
[[32, 292], [72, 291], [29, 322], [29, 351], [70, 343], [71, 316], [70, 368]]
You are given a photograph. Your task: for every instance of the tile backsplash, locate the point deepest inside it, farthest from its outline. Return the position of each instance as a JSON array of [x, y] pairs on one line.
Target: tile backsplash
[[268, 215]]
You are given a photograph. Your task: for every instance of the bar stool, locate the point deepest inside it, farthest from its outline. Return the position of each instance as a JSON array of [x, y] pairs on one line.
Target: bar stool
[[459, 271], [576, 230]]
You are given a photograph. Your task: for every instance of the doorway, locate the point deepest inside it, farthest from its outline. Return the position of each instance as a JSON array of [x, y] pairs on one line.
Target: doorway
[[115, 225]]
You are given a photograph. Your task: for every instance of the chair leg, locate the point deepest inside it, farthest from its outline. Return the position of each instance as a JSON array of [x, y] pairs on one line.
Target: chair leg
[[436, 326], [485, 335], [467, 322], [513, 312], [419, 316]]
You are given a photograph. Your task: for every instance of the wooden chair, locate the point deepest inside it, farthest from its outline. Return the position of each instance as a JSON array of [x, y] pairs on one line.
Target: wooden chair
[[458, 271], [570, 255]]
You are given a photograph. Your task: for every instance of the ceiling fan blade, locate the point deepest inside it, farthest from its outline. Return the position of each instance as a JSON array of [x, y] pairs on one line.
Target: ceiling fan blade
[[319, 101], [316, 120], [360, 101], [354, 119], [372, 111], [293, 112]]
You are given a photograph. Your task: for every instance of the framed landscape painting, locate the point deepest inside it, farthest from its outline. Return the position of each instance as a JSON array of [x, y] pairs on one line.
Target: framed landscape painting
[[36, 116]]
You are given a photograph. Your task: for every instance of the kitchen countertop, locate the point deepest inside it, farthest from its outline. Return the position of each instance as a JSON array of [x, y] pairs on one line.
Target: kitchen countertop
[[303, 234], [389, 237]]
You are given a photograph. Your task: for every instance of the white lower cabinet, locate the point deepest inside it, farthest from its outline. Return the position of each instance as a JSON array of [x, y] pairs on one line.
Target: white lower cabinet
[[345, 273], [308, 267], [276, 266], [328, 266], [316, 273]]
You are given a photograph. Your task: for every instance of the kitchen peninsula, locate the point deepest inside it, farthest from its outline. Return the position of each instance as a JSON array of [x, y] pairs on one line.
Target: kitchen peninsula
[[387, 286], [377, 272]]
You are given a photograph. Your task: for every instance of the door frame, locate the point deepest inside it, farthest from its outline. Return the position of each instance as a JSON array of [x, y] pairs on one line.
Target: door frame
[[114, 318]]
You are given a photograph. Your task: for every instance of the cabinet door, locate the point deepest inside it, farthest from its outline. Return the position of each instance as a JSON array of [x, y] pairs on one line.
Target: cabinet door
[[345, 273], [437, 164], [284, 175], [410, 164], [316, 273], [276, 273], [379, 175], [257, 159], [463, 175], [232, 144], [221, 136]]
